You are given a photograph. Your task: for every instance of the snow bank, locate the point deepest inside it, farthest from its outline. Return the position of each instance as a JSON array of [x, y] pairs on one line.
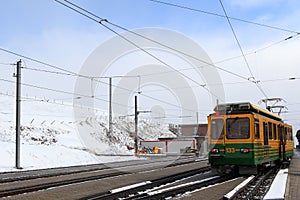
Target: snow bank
[[50, 138]]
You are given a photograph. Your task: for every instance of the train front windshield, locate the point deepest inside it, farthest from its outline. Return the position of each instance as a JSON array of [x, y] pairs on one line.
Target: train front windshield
[[237, 128], [217, 128]]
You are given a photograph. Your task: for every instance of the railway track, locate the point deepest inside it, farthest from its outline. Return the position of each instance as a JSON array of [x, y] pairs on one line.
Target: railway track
[[255, 187], [31, 184], [151, 188], [50, 172], [181, 189], [27, 186]]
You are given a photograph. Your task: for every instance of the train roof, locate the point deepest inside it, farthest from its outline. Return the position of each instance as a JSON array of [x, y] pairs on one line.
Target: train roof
[[244, 107]]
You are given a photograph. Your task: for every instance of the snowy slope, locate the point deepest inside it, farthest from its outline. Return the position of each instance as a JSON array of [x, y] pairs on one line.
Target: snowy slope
[[50, 138]]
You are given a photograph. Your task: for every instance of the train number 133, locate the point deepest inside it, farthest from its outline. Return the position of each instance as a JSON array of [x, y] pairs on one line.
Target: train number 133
[[230, 150]]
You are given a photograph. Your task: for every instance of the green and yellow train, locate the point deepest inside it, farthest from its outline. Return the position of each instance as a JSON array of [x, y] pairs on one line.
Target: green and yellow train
[[245, 138]]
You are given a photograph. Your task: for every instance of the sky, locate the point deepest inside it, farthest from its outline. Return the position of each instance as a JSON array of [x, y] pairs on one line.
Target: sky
[[51, 33]]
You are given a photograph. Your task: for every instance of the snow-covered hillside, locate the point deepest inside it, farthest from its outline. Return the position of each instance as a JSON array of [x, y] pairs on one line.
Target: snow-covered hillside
[[50, 137]]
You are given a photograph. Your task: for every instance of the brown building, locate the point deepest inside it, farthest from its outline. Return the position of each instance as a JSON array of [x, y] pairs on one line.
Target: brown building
[[193, 129]]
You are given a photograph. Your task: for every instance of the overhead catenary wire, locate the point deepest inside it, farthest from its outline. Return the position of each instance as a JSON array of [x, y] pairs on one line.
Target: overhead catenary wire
[[242, 52], [102, 20], [236, 39], [144, 37], [10, 64], [132, 43], [91, 77], [75, 74], [48, 71], [93, 97], [64, 92], [105, 20], [160, 73], [67, 72], [258, 50], [139, 76], [53, 101], [56, 102], [223, 16], [37, 61]]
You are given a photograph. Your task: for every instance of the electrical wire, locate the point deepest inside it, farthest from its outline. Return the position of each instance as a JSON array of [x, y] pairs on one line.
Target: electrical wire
[[2, 63], [149, 39], [64, 92], [75, 74], [101, 23], [23, 98], [217, 62], [97, 98], [242, 52], [69, 73], [236, 39], [72, 74], [37, 61], [258, 50], [183, 53], [48, 71], [125, 29], [132, 43], [219, 15], [101, 20]]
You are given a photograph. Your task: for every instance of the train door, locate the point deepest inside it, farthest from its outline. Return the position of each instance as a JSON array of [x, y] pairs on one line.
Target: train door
[[284, 142], [266, 135], [282, 137], [256, 129], [266, 140], [280, 142]]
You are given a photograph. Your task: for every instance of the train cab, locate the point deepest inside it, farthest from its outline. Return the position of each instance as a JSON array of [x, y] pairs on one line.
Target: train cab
[[245, 137]]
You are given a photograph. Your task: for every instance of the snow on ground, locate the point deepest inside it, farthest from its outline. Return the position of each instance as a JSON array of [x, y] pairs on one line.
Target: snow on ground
[[50, 136], [278, 187]]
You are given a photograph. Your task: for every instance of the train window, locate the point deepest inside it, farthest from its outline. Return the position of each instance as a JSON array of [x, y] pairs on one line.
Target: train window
[[270, 130], [256, 122], [238, 128], [284, 133], [275, 131], [217, 128], [266, 141], [279, 128], [290, 134]]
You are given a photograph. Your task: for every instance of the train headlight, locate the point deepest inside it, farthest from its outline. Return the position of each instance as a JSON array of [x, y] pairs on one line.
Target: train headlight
[[215, 151], [244, 150]]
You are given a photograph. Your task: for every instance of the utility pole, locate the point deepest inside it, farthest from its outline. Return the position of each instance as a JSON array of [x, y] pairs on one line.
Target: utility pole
[[18, 110], [110, 107], [136, 113], [136, 125]]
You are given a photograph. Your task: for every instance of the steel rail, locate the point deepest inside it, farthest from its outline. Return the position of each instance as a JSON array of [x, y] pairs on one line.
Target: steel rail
[[252, 188], [153, 183], [12, 176], [69, 180]]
